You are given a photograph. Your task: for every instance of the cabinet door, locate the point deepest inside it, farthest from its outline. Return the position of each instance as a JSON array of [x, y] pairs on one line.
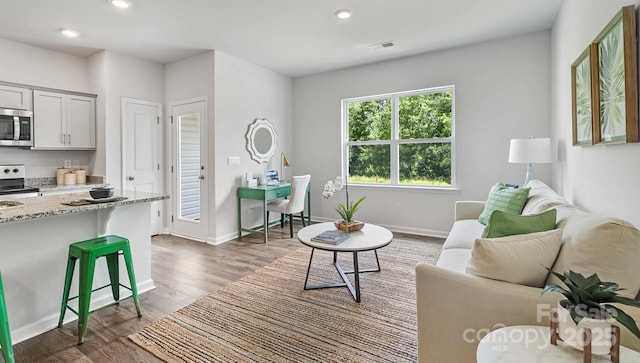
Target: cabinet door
[[14, 97], [49, 120], [81, 122]]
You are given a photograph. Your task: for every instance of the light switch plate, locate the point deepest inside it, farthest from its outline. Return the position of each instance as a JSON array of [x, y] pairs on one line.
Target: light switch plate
[[233, 161]]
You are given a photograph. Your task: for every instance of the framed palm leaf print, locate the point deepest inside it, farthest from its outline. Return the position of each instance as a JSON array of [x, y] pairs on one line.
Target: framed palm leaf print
[[616, 99], [581, 100]]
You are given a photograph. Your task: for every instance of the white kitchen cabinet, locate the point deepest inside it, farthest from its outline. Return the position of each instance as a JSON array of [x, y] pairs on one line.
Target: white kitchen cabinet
[[63, 121], [15, 97]]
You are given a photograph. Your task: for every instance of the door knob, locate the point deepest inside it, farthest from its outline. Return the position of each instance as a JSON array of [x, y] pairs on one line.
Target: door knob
[[201, 177], [131, 178]]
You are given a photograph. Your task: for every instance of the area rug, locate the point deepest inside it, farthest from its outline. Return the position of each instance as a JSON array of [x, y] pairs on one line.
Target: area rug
[[268, 317]]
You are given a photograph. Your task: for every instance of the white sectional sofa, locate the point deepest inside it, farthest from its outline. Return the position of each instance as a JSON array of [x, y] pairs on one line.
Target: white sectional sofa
[[456, 309]]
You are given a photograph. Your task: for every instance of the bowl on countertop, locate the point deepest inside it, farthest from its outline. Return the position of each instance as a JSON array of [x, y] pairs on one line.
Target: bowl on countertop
[[101, 192]]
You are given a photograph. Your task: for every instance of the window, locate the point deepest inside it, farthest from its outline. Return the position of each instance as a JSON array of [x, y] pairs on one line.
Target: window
[[404, 138]]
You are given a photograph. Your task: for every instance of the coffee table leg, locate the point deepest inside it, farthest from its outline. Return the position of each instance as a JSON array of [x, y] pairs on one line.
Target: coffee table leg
[[356, 276], [309, 268]]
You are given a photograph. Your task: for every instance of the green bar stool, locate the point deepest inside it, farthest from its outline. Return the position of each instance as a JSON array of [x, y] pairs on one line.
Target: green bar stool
[[5, 332], [88, 252]]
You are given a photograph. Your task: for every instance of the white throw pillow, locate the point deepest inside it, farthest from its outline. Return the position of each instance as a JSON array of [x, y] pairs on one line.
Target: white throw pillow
[[520, 259]]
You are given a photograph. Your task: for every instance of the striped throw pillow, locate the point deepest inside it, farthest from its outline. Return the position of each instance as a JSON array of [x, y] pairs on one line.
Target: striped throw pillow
[[505, 199]]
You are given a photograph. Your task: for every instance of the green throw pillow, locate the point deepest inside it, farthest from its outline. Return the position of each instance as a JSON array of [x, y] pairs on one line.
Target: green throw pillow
[[504, 224], [503, 198]]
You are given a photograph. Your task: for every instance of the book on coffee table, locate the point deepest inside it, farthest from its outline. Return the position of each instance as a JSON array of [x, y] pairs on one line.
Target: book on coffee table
[[331, 236]]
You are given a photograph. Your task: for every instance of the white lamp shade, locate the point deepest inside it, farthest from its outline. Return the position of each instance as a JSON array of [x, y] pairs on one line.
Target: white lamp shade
[[534, 151]]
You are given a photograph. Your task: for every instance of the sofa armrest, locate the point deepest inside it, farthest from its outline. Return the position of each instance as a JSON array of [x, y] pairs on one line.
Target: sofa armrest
[[456, 310], [467, 209]]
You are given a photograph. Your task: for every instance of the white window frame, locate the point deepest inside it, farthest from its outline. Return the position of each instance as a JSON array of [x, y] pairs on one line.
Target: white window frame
[[394, 142]]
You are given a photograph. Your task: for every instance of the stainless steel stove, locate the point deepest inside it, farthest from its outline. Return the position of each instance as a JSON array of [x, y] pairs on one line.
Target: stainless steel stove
[[12, 182]]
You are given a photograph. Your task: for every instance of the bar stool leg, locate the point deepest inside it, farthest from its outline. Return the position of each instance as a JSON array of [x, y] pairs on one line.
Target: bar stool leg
[[132, 277], [87, 267], [5, 332], [114, 274], [71, 265]]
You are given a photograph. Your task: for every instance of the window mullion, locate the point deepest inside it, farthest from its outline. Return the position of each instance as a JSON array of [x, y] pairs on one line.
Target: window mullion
[[394, 152]]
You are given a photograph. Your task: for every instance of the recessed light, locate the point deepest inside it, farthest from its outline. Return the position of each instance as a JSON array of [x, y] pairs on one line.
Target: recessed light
[[122, 4], [70, 33], [343, 14]]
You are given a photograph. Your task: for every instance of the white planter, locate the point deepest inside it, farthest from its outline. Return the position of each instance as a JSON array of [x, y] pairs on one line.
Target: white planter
[[573, 335]]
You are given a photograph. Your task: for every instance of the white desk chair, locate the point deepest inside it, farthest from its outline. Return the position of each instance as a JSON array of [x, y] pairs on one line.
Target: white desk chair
[[295, 203]]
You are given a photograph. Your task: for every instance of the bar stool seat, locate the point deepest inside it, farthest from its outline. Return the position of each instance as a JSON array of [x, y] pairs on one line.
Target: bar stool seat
[[110, 247], [5, 332]]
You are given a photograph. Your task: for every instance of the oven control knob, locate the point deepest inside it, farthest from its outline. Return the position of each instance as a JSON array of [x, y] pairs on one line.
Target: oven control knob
[[16, 170], [6, 171]]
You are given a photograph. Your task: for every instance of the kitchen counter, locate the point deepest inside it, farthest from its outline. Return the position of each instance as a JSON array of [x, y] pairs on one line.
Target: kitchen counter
[[46, 206], [34, 249]]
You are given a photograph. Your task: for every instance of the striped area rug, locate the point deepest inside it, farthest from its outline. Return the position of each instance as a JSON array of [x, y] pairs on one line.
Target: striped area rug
[[268, 317]]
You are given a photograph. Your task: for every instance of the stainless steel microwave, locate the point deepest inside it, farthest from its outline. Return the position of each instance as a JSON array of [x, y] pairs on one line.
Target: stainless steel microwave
[[16, 127]]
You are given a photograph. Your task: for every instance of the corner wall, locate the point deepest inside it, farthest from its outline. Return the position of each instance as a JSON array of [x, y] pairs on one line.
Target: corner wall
[[501, 92], [600, 178]]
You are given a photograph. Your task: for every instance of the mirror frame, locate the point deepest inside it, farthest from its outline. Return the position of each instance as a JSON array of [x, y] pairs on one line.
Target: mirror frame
[[261, 124]]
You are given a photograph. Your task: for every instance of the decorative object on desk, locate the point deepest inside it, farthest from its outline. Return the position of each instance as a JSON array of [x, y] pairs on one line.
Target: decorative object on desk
[[581, 99], [284, 163], [261, 140], [530, 151], [271, 177], [102, 192], [615, 96], [331, 236], [346, 211], [584, 320]]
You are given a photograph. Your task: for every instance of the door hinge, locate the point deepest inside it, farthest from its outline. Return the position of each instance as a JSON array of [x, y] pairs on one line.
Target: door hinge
[[171, 219], [158, 166], [158, 213], [158, 120], [171, 119], [171, 169]]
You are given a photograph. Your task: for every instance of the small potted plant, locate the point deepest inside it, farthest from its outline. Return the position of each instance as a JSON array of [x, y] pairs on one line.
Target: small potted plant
[[346, 211], [588, 305]]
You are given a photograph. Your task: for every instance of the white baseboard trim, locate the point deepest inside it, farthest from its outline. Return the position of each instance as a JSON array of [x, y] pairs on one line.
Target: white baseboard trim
[[400, 229], [51, 322]]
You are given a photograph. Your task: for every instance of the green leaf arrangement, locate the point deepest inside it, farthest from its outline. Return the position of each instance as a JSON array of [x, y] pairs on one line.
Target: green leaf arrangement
[[590, 297], [347, 210]]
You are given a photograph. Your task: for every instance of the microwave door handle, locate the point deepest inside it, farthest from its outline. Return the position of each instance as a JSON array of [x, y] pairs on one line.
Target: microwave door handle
[[16, 128]]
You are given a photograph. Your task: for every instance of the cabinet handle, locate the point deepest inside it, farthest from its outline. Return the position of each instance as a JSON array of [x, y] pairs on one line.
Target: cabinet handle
[[131, 178], [201, 177]]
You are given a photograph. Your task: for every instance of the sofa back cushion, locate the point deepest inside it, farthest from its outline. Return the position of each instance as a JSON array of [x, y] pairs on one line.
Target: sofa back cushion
[[519, 259], [541, 198], [607, 246], [503, 198]]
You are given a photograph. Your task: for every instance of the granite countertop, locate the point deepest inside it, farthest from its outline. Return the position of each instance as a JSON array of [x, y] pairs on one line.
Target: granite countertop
[[55, 187], [46, 206]]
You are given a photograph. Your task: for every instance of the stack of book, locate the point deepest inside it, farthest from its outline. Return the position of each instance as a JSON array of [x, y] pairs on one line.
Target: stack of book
[[331, 236]]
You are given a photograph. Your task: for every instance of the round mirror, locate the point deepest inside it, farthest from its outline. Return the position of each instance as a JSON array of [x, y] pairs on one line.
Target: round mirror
[[261, 140]]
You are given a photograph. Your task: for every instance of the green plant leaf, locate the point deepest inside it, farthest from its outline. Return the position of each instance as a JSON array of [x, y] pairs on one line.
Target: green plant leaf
[[555, 288], [626, 301], [624, 319]]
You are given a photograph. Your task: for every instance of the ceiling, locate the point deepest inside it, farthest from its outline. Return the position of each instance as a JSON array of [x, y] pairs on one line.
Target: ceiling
[[292, 37]]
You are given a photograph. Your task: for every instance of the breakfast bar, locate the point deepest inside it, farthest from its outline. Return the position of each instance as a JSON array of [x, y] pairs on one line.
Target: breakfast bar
[[36, 234]]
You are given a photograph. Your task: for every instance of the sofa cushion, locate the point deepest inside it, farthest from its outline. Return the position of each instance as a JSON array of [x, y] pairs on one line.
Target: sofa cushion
[[503, 198], [454, 259], [519, 259], [504, 224], [607, 246], [541, 198], [463, 233]]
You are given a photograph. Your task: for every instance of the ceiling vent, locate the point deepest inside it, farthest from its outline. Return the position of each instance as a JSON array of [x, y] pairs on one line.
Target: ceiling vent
[[381, 45]]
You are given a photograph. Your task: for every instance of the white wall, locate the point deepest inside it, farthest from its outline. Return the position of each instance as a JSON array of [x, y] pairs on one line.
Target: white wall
[[36, 66], [244, 92], [501, 92], [602, 178]]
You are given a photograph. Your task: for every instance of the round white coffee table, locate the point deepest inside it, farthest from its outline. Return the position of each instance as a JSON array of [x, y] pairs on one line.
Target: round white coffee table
[[531, 344], [369, 238]]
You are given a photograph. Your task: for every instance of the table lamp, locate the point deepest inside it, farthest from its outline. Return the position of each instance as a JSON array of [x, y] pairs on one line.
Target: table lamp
[[530, 151], [284, 163]]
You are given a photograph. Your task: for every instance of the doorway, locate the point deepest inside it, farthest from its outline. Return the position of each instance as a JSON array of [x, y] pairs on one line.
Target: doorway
[[188, 176]]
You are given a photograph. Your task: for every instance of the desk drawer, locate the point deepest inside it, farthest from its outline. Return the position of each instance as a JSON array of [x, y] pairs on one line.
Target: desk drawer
[[277, 193]]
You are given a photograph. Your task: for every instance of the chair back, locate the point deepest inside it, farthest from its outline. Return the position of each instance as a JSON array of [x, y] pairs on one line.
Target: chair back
[[299, 186]]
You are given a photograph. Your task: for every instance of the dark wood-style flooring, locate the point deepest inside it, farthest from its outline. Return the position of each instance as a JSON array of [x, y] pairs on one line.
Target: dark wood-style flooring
[[183, 271]]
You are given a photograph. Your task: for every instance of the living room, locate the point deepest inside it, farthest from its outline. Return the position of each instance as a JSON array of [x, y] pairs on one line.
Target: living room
[[513, 86]]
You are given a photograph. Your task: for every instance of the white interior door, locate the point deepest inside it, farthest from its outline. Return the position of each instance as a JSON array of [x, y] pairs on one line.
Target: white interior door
[[188, 177], [141, 146]]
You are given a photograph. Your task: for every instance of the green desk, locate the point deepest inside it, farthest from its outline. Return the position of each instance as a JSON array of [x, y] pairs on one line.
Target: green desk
[[265, 193]]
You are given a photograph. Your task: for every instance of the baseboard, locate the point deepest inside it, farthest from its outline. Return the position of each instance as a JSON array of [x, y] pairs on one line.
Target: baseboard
[[51, 322], [400, 229]]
